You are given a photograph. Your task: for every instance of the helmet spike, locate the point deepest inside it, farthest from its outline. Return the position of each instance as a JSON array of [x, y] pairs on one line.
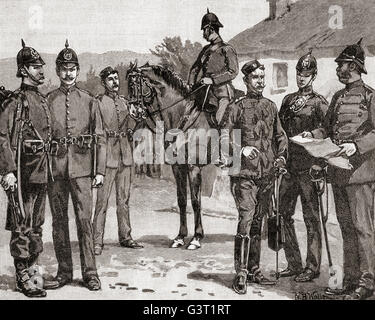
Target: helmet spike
[[310, 50], [208, 11], [23, 43], [66, 43], [360, 41]]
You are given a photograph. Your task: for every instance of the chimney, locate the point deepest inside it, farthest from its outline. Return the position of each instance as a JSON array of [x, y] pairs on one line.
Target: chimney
[[279, 7]]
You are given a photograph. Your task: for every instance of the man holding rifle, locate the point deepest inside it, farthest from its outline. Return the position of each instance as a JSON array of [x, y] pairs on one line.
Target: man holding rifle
[[350, 123], [25, 136], [78, 165]]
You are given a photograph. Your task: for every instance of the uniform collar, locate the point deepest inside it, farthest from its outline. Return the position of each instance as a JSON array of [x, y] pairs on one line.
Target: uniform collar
[[254, 95], [306, 91], [65, 90], [217, 40], [354, 84], [27, 87], [111, 94]]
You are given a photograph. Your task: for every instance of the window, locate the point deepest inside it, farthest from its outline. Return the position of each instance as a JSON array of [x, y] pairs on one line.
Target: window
[[280, 75]]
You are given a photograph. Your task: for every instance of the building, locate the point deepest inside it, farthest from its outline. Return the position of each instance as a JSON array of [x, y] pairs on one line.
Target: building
[[295, 26]]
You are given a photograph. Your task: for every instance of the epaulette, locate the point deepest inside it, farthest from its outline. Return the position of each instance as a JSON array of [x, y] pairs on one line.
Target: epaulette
[[369, 88], [238, 100], [99, 96]]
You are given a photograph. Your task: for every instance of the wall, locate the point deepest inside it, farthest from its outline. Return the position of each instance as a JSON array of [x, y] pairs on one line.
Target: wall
[[326, 82]]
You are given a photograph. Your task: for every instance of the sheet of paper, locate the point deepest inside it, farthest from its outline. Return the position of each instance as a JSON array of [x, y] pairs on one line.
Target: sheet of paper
[[323, 148]]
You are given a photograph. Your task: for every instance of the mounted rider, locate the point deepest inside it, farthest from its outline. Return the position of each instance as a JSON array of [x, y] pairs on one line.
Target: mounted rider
[[215, 67]]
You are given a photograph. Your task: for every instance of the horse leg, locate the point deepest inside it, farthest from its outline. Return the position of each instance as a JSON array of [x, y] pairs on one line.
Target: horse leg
[[180, 174], [195, 181]]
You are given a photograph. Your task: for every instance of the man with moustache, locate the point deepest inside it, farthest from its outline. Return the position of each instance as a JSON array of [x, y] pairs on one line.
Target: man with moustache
[[28, 106], [263, 152], [216, 66], [350, 123], [301, 111], [77, 130], [118, 126]]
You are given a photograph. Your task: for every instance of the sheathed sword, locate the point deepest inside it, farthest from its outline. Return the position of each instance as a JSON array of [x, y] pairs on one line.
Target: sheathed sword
[[318, 177]]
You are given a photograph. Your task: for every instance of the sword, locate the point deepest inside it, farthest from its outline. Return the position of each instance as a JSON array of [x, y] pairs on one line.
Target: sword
[[318, 177]]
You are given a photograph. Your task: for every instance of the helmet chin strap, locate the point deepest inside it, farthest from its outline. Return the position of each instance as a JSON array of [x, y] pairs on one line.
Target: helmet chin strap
[[31, 76]]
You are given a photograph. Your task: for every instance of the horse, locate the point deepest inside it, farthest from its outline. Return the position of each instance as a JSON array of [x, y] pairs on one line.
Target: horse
[[162, 95]]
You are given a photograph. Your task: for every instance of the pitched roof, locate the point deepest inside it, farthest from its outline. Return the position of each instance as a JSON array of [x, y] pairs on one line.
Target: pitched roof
[[307, 25]]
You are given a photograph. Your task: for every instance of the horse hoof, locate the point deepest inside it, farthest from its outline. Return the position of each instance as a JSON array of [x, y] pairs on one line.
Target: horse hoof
[[194, 244], [177, 243]]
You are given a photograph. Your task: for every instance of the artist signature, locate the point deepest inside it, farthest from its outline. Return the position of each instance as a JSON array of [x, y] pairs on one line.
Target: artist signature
[[307, 295]]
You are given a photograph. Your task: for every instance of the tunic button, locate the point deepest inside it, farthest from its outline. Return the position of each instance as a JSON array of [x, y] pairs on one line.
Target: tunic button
[[69, 133], [67, 111], [67, 119], [359, 114], [67, 104], [67, 99]]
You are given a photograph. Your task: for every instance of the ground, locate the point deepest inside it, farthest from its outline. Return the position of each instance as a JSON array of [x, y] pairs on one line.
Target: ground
[[157, 271]]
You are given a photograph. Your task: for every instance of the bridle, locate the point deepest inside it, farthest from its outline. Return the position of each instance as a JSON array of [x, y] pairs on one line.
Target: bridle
[[143, 96]]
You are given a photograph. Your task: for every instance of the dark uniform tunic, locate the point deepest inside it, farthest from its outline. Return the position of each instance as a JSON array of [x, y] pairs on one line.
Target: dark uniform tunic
[[116, 122], [260, 126], [219, 62], [34, 165], [74, 118], [351, 118], [301, 111]]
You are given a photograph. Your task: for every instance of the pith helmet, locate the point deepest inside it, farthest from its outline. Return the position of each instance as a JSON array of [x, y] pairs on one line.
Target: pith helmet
[[210, 19], [27, 56], [354, 53], [307, 64], [67, 55]]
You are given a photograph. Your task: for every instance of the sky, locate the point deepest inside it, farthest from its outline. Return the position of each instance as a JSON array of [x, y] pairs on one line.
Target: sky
[[99, 26]]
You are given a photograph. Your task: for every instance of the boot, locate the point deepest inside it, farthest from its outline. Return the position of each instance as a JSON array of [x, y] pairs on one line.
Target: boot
[[241, 256], [29, 286]]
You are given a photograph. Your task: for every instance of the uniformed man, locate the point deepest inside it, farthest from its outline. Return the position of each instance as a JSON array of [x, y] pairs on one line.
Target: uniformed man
[[118, 126], [25, 122], [78, 131], [263, 147], [216, 66], [301, 111], [350, 123]]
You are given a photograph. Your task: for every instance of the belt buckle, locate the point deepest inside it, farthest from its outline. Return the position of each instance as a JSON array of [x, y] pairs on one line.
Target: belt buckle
[[54, 147], [33, 147], [63, 141]]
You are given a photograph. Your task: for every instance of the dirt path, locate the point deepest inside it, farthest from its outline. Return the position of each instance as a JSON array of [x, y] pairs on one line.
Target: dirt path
[[158, 272]]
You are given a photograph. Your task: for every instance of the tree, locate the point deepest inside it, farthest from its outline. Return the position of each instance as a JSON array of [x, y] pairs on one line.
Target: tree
[[177, 56]]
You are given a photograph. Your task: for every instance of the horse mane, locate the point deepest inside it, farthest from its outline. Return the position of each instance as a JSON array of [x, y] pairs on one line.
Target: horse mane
[[172, 79]]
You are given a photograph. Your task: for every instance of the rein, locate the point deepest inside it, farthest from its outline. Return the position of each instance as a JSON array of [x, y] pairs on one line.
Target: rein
[[178, 101]]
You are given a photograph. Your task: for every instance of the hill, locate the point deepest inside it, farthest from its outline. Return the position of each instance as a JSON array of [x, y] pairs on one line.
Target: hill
[[8, 66]]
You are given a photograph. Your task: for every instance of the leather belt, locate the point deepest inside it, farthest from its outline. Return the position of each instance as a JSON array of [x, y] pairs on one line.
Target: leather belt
[[80, 141], [116, 134], [341, 141], [34, 147]]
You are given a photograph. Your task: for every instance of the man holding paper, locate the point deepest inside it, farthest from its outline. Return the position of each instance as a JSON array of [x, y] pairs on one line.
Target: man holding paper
[[350, 123], [304, 109]]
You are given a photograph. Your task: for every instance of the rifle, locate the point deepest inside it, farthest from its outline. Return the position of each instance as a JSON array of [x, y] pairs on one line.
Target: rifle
[[318, 177], [276, 235]]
